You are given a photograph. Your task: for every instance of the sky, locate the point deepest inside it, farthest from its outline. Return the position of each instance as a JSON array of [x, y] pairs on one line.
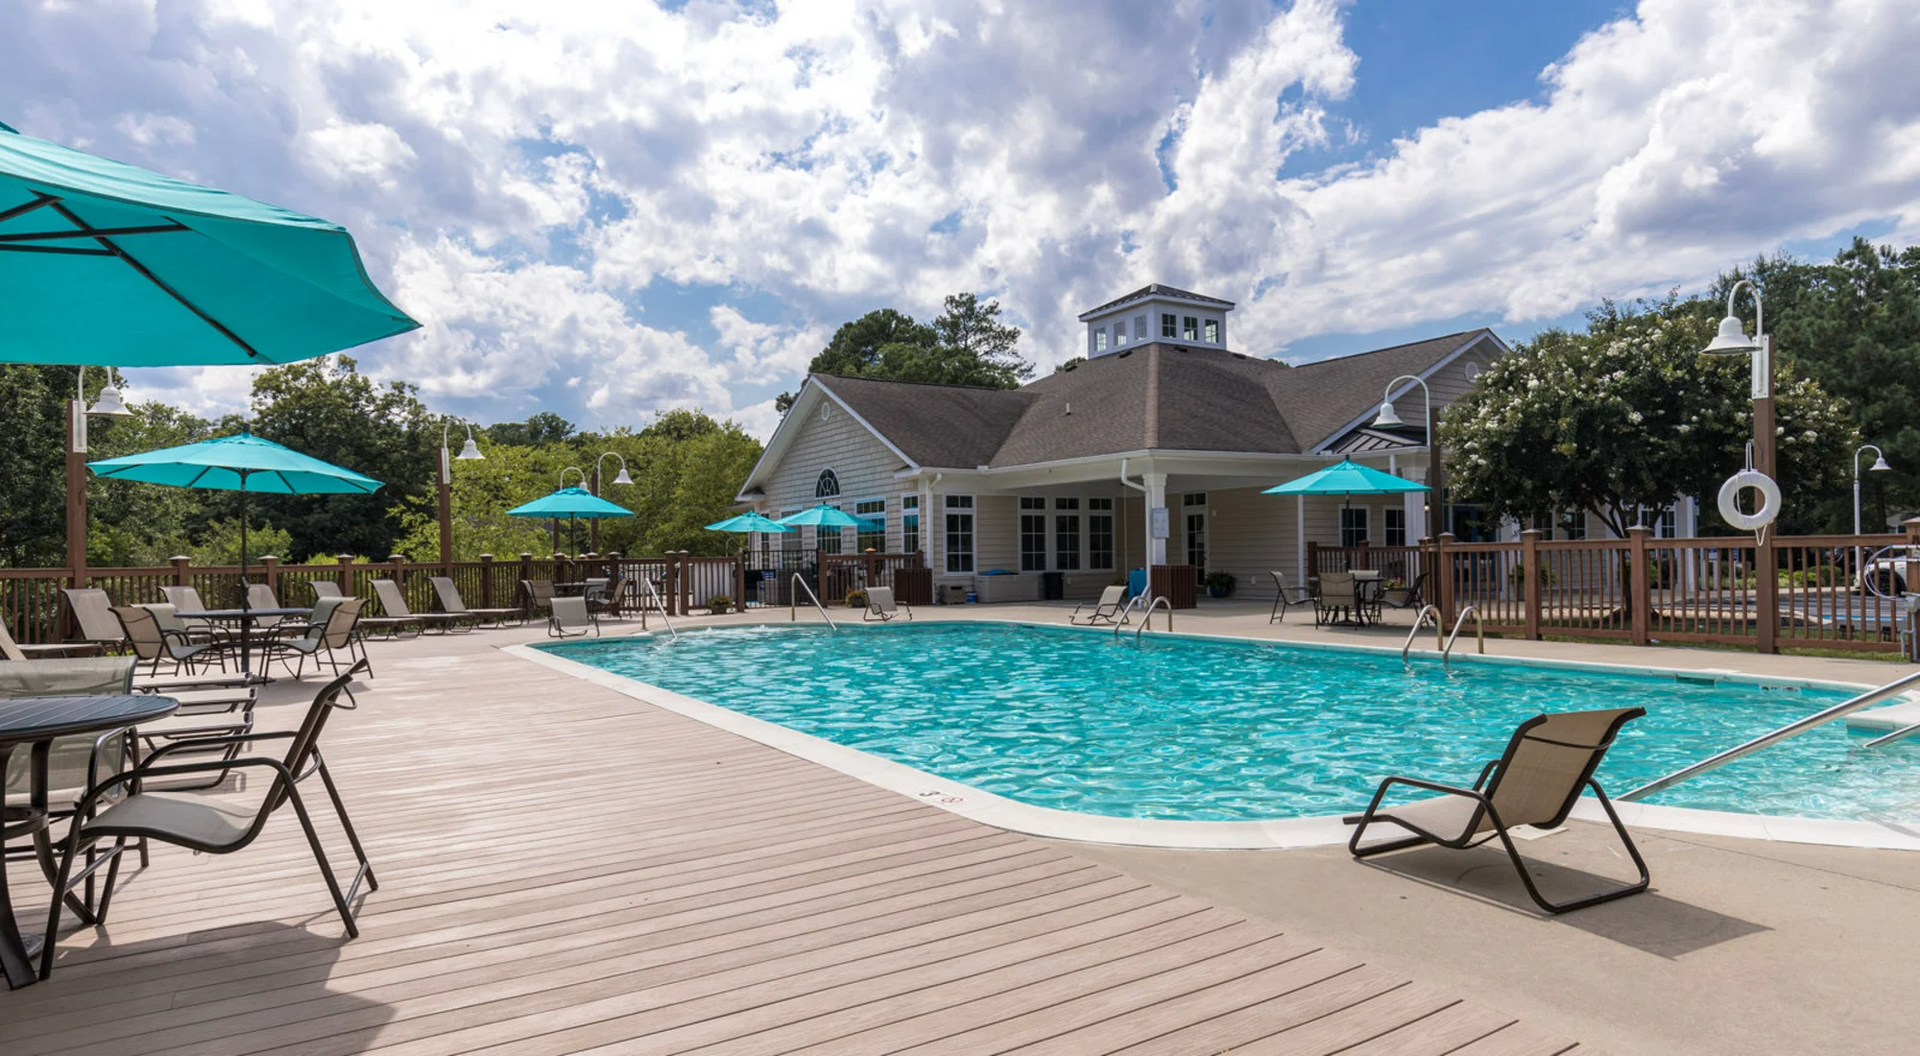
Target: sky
[[613, 209]]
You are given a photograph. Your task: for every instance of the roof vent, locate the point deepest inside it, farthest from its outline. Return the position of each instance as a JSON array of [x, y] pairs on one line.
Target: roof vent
[[1069, 409]]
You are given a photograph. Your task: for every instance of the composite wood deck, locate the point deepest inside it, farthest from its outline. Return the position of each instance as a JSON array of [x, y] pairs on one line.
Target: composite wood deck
[[564, 869]]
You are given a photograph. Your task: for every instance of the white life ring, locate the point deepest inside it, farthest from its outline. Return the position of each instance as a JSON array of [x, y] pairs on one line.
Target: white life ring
[[1769, 500]]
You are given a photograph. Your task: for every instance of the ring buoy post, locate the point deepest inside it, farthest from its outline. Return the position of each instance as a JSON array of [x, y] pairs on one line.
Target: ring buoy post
[[1730, 500]]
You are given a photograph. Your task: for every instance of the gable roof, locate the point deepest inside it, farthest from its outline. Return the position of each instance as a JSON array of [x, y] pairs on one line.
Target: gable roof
[[1154, 290], [951, 426], [1327, 396]]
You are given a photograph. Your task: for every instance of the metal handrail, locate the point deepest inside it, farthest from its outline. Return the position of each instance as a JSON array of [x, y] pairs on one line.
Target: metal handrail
[[1899, 734], [655, 595], [1793, 729], [1146, 618], [1419, 619], [793, 602], [1479, 632], [1121, 620]]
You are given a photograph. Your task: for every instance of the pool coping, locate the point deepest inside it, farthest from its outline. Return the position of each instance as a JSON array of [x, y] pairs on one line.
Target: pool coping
[[1278, 833]]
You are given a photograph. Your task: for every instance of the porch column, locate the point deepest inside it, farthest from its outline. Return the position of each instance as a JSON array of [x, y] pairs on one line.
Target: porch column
[[1156, 499]]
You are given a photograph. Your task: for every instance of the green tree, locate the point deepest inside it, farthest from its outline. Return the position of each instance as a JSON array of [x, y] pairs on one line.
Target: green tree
[[973, 334], [326, 408], [32, 463], [135, 524], [1626, 415], [966, 345], [545, 427]]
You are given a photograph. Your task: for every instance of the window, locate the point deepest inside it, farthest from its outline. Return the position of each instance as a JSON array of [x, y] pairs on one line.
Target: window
[[1573, 524], [909, 524], [1120, 333], [1190, 329], [826, 485], [1033, 535], [1194, 498], [1066, 540], [1394, 526], [1100, 534], [959, 533], [1353, 525], [1139, 328], [874, 538], [1099, 339], [1213, 332], [1169, 326], [1667, 524], [1066, 504]]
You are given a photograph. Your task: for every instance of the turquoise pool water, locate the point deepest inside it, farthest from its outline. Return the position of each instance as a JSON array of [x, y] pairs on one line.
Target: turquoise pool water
[[1208, 730]]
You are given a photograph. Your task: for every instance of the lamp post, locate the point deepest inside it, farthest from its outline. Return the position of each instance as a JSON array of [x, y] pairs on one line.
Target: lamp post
[[620, 478], [1436, 517], [1879, 466], [1732, 340], [109, 405], [469, 452]]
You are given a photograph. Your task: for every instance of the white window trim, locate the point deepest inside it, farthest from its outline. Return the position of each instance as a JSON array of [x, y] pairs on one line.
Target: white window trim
[[947, 554]]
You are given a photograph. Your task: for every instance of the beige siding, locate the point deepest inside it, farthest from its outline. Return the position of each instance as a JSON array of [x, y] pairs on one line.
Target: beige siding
[[863, 465], [996, 541], [1447, 384]]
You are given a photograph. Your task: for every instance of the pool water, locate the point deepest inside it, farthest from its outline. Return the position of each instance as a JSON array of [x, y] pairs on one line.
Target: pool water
[[1214, 730]]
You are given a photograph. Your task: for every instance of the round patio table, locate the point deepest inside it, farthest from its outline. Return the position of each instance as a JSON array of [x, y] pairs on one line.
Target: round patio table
[[246, 618], [36, 721]]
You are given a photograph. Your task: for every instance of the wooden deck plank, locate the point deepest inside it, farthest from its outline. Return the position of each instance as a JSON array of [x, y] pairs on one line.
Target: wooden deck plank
[[615, 877]]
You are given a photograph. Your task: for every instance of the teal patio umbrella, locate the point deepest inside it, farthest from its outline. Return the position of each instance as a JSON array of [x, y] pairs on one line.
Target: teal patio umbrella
[[748, 522], [244, 463], [1349, 478], [109, 264], [824, 516], [570, 503]]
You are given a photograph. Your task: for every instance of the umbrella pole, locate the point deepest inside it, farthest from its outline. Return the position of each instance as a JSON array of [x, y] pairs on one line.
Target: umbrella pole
[[246, 597]]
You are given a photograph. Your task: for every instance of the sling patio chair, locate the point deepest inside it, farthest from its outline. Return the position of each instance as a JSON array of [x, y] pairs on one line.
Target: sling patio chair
[[1411, 596], [610, 598], [1338, 601], [394, 605], [211, 824], [1284, 596], [93, 614], [1536, 782], [1106, 610], [153, 641], [537, 597], [571, 618], [329, 633], [325, 588], [882, 608], [260, 596], [451, 602], [187, 599], [13, 650]]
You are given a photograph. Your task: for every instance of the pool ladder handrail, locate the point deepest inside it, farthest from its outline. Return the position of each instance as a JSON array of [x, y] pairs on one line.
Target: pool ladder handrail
[[1792, 729], [1420, 619], [1146, 617], [647, 588], [793, 602], [1479, 632], [1444, 645]]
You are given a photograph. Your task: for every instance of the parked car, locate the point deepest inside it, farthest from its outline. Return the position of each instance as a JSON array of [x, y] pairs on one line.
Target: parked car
[[1887, 571]]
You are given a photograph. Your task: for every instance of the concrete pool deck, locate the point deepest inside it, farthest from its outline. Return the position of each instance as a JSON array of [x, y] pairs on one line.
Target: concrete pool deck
[[565, 867]]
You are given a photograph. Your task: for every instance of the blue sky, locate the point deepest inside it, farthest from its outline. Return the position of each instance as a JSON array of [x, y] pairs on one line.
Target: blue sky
[[614, 209]]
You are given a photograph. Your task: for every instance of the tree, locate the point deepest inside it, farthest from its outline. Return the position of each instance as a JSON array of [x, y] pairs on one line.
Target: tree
[[32, 461], [1630, 415], [966, 345], [543, 428]]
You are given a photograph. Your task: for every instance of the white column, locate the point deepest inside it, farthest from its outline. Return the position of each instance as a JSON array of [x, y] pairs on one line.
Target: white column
[[1156, 499], [1300, 540]]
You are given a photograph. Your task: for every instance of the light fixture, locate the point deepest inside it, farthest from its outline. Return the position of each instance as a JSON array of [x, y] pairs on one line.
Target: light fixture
[[1880, 466], [622, 478], [1732, 339], [110, 404], [1387, 417], [469, 451]]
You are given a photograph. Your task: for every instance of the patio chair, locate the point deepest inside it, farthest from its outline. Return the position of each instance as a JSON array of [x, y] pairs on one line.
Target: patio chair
[[215, 825], [93, 616], [1338, 600], [882, 608], [260, 596], [609, 599], [394, 605], [325, 588], [331, 631], [13, 650], [1412, 596], [571, 618], [1106, 610], [450, 601], [153, 641], [1284, 596], [537, 597], [1536, 781]]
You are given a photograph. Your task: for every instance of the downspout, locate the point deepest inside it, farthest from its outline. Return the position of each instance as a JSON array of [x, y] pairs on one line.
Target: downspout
[[927, 520], [1146, 518]]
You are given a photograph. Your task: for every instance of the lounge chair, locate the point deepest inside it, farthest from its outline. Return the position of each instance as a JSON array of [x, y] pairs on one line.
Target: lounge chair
[[1536, 781], [571, 618], [187, 599], [13, 650], [153, 641], [450, 602], [1106, 610], [215, 825], [1338, 600], [260, 596], [882, 608], [325, 588], [93, 616], [394, 605], [1284, 596], [331, 631], [537, 597]]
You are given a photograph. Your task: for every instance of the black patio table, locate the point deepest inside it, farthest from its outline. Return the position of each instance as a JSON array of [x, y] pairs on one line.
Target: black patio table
[[246, 618], [37, 721]]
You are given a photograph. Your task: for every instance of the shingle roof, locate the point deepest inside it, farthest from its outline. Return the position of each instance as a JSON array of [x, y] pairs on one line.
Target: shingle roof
[[1154, 290], [1154, 396]]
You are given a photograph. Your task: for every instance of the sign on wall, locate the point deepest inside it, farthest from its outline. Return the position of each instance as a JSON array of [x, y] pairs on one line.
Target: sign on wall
[[1162, 523]]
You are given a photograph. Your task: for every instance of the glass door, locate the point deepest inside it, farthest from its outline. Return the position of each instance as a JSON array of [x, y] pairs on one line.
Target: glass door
[[1194, 505]]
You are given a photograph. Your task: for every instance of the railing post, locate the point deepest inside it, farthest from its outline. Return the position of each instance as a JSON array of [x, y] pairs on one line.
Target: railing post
[[1766, 597], [1639, 585], [270, 573], [1313, 561], [1443, 577], [1530, 575], [526, 573], [1358, 560], [181, 576], [399, 563], [740, 581], [486, 582], [345, 575], [686, 581], [670, 579]]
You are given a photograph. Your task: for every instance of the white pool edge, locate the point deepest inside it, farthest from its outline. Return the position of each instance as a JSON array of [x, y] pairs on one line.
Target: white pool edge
[[1014, 816]]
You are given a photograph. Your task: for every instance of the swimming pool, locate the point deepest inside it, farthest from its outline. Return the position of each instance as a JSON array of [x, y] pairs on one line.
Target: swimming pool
[[1208, 729]]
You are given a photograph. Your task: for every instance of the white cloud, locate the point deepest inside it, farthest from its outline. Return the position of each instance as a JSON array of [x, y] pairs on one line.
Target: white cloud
[[527, 179]]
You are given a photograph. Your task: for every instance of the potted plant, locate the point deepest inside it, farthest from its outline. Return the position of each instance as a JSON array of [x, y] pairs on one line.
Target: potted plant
[[856, 599], [1219, 584], [719, 604]]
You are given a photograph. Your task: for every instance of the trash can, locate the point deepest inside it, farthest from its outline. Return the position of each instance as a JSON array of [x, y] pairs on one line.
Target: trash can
[[1053, 586], [953, 593]]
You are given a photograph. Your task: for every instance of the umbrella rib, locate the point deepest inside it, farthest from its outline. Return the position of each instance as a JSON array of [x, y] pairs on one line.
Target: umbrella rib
[[50, 236], [72, 251], [40, 201], [156, 280]]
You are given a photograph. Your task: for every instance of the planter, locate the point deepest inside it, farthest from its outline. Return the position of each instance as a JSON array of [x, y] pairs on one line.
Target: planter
[[1216, 592]]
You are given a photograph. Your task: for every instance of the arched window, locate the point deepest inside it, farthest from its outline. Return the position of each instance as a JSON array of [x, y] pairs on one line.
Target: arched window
[[826, 486]]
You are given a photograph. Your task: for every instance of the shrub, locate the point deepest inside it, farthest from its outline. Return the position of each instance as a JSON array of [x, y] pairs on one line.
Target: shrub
[[1219, 581], [856, 599], [1517, 574], [719, 604]]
